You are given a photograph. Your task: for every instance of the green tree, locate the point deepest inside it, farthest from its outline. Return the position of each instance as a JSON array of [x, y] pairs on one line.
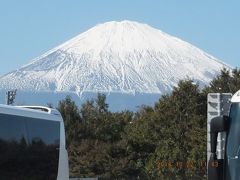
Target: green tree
[[131, 145], [101, 104], [179, 126], [71, 117], [226, 82]]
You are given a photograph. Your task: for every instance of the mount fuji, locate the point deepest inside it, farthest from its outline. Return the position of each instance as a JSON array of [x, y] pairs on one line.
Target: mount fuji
[[129, 61]]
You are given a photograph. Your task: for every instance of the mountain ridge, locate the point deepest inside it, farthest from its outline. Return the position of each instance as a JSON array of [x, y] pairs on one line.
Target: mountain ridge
[[125, 57]]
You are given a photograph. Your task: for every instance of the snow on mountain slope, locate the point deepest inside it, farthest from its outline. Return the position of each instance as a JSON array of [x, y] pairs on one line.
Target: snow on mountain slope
[[125, 57]]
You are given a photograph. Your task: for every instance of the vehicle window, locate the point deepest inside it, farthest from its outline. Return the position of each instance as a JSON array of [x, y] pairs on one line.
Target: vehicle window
[[29, 148], [13, 146], [43, 138], [233, 144]]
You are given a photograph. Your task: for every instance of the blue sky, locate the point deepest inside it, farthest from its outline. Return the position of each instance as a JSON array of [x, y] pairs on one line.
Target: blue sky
[[29, 28]]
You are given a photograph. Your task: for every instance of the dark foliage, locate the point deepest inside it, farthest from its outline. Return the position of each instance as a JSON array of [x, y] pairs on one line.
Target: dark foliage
[[167, 141]]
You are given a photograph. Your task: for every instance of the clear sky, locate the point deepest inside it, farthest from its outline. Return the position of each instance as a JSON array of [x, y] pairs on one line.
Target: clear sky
[[29, 28]]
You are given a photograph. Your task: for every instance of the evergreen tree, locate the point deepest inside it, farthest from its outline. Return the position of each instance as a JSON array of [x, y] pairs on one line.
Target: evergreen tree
[[226, 82], [101, 104], [71, 117], [179, 127], [132, 145], [235, 84]]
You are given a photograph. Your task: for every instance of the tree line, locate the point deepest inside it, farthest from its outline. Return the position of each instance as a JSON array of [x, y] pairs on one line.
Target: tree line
[[165, 141]]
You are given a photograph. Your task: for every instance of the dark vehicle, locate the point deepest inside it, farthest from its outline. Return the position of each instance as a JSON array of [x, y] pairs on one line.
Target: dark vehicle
[[32, 144], [227, 168]]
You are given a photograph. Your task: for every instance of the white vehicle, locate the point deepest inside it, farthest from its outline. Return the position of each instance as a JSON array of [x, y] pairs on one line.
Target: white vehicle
[[224, 157], [32, 144]]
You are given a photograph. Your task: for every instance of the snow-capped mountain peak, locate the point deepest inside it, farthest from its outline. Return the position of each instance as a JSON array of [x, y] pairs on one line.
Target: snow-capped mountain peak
[[124, 57]]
